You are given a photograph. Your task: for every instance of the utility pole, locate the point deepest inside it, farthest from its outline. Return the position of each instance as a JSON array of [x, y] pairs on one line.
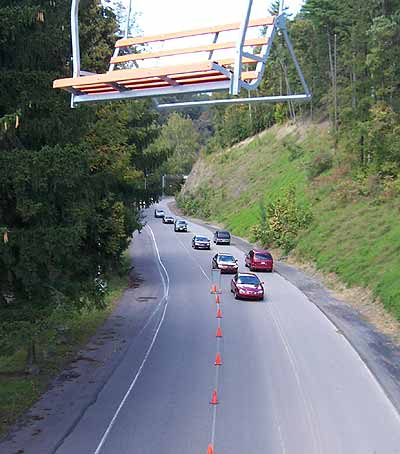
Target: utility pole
[[163, 185], [335, 81], [333, 67]]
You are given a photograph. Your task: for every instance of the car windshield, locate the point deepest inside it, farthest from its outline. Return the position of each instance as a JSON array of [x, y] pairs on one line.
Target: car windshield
[[223, 235], [201, 238], [259, 256], [226, 258], [252, 280], [181, 222]]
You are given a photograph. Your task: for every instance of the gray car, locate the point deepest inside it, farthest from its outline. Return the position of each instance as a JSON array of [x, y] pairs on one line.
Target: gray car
[[159, 213], [201, 242], [180, 226], [222, 237], [168, 220]]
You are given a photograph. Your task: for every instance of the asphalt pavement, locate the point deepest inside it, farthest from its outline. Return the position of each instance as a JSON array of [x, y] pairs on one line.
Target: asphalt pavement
[[289, 383]]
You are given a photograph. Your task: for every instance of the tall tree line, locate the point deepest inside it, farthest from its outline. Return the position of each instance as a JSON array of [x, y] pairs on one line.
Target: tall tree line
[[70, 180], [350, 55]]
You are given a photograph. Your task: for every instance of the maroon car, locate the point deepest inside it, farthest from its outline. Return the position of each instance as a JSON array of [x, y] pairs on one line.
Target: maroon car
[[247, 286], [259, 260]]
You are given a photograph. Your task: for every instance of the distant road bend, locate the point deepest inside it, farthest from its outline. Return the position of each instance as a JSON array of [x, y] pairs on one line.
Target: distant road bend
[[289, 382]]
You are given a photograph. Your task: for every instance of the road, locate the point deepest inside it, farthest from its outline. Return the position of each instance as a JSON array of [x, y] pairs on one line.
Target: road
[[290, 383]]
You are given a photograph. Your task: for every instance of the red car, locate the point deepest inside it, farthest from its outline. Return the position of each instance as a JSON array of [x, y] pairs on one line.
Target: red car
[[259, 260], [247, 286]]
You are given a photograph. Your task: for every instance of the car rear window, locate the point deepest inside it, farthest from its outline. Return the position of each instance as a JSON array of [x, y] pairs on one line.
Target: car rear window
[[181, 222], [201, 238], [225, 235], [252, 280], [259, 256]]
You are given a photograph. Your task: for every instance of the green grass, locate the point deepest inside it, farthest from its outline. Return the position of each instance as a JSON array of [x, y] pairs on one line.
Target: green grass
[[17, 390], [355, 236]]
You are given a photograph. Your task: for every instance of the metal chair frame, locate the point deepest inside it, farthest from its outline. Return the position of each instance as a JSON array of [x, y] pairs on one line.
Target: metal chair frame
[[233, 85]]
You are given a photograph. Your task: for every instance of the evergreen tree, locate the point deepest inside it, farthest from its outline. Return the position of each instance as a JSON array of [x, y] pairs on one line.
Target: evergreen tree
[[70, 180]]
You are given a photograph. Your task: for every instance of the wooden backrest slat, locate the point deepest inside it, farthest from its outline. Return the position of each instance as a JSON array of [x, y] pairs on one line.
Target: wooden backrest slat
[[231, 61], [197, 32], [185, 50], [249, 75]]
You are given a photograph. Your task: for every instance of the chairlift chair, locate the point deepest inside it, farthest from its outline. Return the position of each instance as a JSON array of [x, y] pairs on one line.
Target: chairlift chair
[[215, 73]]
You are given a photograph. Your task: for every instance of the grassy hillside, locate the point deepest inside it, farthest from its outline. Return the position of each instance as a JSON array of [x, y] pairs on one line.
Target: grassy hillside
[[354, 230]]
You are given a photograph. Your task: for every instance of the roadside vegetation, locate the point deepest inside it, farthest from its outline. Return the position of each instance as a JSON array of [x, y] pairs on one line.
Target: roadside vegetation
[[323, 182], [281, 191], [59, 342]]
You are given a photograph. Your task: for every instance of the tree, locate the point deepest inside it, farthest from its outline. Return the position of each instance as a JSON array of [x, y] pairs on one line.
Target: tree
[[70, 180], [181, 141]]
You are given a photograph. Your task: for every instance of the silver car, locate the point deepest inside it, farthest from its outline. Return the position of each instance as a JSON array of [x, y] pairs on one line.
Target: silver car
[[201, 242]]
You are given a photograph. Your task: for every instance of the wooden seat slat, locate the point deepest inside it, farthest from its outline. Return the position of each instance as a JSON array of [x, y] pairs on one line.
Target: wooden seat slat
[[226, 61], [186, 50], [182, 79], [131, 74], [131, 83], [153, 82], [265, 21], [160, 83]]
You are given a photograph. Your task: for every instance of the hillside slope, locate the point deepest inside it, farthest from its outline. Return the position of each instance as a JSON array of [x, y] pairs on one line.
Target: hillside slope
[[354, 230]]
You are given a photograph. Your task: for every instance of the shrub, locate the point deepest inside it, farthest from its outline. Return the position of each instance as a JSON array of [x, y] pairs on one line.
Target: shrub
[[295, 150], [320, 163], [280, 224], [196, 204]]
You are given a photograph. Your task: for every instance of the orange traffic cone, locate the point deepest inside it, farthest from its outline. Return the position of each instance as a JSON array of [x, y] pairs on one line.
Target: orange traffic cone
[[219, 313], [214, 289], [214, 399], [218, 361], [219, 332], [217, 299], [210, 449]]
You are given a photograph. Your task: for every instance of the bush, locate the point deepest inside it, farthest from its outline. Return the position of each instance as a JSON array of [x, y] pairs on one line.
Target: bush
[[321, 162], [281, 221], [295, 150], [196, 204]]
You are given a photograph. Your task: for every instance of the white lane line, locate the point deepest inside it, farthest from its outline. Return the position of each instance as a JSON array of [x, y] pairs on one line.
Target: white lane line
[[194, 260], [166, 283]]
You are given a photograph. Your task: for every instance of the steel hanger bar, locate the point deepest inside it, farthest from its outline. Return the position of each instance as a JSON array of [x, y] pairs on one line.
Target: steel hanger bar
[[235, 86], [128, 19], [180, 105]]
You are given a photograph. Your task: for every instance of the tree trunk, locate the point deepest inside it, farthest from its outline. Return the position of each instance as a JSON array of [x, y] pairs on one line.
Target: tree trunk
[[32, 367], [333, 70]]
